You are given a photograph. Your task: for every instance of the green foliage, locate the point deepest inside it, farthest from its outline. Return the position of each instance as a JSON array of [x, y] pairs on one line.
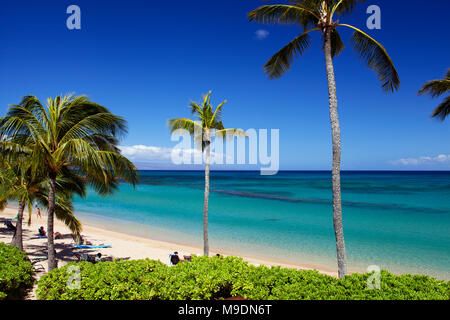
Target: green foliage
[[71, 136], [437, 88], [218, 278], [16, 272], [207, 123], [118, 280], [316, 15]]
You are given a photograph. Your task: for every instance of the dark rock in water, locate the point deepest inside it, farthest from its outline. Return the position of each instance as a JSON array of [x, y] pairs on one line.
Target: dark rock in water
[[272, 219]]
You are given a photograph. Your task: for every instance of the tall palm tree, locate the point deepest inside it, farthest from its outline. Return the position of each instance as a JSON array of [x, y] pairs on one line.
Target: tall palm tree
[[70, 135], [318, 15], [437, 88], [18, 182], [208, 124]]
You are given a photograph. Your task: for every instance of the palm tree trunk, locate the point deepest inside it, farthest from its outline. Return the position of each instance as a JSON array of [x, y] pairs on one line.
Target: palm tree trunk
[[336, 170], [50, 221], [17, 239], [205, 204]]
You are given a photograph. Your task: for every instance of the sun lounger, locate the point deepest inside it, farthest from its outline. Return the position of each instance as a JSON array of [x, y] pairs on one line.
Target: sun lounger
[[36, 265], [38, 259], [83, 246]]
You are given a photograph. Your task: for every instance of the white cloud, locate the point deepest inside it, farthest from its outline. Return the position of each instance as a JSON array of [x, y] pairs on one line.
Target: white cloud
[[440, 159], [261, 34], [146, 153], [157, 154]]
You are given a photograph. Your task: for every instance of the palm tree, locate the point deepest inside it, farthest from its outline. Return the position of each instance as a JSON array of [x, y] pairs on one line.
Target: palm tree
[[208, 124], [17, 182], [318, 15], [437, 88], [14, 184], [70, 136]]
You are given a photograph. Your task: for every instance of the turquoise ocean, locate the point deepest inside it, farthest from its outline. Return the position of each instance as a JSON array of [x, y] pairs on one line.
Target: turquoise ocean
[[399, 221]]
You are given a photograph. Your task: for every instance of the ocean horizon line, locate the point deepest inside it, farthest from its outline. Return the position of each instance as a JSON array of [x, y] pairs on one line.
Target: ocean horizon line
[[295, 170]]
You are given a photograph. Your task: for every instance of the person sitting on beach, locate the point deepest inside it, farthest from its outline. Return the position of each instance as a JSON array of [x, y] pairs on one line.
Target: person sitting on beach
[[88, 257], [94, 258], [174, 258], [58, 235], [10, 226], [98, 257], [42, 232]]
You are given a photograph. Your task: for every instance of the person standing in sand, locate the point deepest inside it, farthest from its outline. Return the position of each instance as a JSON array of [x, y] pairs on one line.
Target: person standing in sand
[[38, 209]]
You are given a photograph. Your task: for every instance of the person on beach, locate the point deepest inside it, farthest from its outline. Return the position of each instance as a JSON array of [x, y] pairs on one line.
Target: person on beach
[[174, 258], [37, 209], [88, 257], [42, 232]]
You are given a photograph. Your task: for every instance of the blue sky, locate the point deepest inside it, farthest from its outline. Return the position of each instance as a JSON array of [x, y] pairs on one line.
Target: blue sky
[[146, 60]]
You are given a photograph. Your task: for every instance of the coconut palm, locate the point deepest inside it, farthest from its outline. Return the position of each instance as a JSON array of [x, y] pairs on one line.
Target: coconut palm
[[208, 124], [437, 88], [18, 182], [70, 135], [318, 15]]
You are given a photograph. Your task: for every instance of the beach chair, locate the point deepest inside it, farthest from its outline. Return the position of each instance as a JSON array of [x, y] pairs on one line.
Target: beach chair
[[36, 265], [38, 268]]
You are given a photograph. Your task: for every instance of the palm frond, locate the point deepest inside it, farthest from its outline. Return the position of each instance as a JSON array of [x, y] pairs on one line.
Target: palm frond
[[67, 216], [281, 61], [284, 14], [183, 123], [376, 58], [343, 7], [98, 123], [231, 132], [436, 87], [30, 210], [196, 109], [336, 43], [217, 115], [33, 105], [443, 110], [3, 204], [119, 167], [64, 212]]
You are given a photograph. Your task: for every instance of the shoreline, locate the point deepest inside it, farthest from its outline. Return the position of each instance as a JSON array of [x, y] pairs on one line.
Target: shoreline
[[126, 246]]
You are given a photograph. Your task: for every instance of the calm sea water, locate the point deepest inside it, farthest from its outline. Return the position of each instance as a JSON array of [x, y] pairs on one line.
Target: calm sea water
[[399, 221]]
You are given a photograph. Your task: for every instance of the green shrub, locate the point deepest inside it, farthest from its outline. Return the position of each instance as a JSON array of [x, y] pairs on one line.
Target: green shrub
[[217, 278], [16, 272], [118, 280]]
